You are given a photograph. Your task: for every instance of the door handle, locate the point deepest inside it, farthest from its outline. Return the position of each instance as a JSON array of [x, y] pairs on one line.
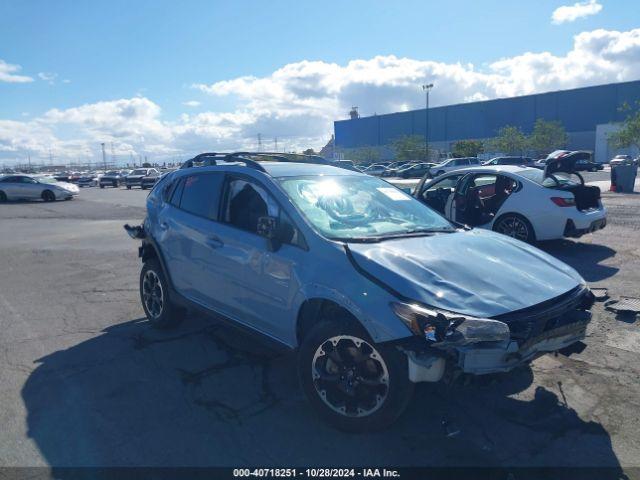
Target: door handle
[[214, 242]]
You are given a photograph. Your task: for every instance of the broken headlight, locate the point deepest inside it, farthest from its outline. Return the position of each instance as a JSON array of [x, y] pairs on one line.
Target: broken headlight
[[452, 328]]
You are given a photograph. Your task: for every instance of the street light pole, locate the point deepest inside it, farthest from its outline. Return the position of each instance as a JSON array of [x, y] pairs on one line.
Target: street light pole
[[426, 88]]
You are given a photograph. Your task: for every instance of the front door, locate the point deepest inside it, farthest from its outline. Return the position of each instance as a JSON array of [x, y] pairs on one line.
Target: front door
[[260, 285]]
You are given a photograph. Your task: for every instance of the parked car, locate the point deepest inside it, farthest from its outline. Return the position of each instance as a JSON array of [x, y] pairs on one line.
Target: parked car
[[135, 177], [392, 168], [621, 160], [112, 178], [417, 170], [87, 180], [376, 169], [588, 165], [148, 181], [519, 161], [375, 290], [348, 164], [26, 187], [525, 203], [453, 164]]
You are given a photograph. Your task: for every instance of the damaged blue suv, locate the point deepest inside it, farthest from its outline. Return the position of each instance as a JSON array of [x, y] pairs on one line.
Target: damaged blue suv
[[375, 290]]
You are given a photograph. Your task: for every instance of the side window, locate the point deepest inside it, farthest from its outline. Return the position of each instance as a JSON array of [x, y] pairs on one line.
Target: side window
[[245, 203], [462, 161], [176, 193], [473, 161], [201, 194]]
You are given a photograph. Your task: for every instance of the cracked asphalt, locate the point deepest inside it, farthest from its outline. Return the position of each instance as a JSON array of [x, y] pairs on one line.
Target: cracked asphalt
[[85, 382]]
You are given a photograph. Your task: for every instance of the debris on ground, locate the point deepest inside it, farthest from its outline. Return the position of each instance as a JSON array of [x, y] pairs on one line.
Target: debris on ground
[[600, 294], [625, 304]]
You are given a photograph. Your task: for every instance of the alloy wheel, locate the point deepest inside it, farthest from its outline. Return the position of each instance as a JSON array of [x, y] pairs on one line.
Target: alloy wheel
[[152, 294], [350, 376], [513, 227]]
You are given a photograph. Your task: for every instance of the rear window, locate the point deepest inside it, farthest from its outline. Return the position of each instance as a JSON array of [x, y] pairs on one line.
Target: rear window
[[201, 194]]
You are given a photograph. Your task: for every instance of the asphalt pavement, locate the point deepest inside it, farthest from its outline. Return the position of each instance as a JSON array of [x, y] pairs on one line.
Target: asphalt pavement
[[86, 382]]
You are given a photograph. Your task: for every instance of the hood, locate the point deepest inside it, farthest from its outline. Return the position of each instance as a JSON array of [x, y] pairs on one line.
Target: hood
[[66, 186], [564, 161], [476, 272]]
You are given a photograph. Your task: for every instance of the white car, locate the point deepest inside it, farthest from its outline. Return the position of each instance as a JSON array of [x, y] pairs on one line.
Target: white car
[[25, 187], [525, 203], [453, 164]]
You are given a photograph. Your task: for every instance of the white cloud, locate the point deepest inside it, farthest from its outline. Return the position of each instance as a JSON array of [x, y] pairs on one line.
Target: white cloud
[[8, 73], [570, 13], [48, 77], [191, 103], [298, 102]]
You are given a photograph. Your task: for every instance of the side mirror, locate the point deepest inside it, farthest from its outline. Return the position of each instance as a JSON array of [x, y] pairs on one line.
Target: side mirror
[[268, 228]]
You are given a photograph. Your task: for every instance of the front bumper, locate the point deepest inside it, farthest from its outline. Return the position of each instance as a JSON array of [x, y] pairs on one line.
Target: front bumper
[[480, 359], [534, 331]]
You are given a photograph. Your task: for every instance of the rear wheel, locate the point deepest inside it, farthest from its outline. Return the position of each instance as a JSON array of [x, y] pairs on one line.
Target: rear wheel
[[515, 226], [353, 383], [3, 197], [128, 187], [48, 196], [154, 293], [101, 186]]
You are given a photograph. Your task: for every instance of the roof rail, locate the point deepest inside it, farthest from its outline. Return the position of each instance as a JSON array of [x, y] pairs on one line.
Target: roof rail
[[212, 158]]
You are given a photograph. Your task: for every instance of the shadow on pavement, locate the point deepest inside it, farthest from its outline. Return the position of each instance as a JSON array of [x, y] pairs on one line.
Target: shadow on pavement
[[584, 257], [204, 395]]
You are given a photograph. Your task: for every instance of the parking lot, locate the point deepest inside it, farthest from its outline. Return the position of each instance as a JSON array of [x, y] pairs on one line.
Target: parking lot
[[86, 382]]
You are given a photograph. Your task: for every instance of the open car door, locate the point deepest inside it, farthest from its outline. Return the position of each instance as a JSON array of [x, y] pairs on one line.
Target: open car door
[[458, 208]]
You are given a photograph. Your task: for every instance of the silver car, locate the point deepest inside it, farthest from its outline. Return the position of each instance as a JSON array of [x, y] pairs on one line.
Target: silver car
[[25, 187]]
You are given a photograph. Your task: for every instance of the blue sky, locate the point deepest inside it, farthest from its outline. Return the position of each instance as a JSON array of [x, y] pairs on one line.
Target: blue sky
[[82, 53]]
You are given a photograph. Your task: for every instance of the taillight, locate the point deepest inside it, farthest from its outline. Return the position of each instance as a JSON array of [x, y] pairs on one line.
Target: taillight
[[564, 202]]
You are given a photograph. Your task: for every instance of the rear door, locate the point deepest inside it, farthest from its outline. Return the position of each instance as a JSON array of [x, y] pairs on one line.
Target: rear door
[[187, 232], [11, 187]]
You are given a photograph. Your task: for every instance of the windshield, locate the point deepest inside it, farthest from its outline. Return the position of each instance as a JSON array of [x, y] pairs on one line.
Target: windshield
[[360, 208], [46, 180], [139, 172]]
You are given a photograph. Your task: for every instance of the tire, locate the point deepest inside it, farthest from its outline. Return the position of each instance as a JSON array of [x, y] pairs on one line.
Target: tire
[[48, 196], [3, 197], [128, 187], [379, 405], [154, 295], [142, 187], [515, 226], [101, 186]]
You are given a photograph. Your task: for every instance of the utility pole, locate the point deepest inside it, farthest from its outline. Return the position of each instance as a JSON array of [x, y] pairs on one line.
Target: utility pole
[[426, 88], [259, 142], [113, 154], [104, 157], [275, 140]]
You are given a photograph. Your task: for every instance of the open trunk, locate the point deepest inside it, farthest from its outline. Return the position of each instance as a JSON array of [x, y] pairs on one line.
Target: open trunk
[[587, 196]]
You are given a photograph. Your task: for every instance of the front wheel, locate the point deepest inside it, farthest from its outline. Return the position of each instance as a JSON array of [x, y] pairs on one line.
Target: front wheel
[[128, 187], [154, 293], [515, 226], [3, 197], [355, 384]]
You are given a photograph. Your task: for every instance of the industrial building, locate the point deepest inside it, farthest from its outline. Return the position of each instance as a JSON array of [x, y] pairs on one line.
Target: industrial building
[[588, 115]]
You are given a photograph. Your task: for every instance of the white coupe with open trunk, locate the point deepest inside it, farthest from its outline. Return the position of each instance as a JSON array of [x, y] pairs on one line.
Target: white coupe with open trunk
[[525, 203]]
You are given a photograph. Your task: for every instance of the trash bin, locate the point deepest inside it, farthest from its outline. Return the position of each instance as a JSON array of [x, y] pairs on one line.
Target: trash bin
[[623, 178]]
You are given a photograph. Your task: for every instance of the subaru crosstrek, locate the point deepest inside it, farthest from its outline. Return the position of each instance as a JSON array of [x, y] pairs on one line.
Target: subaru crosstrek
[[374, 289]]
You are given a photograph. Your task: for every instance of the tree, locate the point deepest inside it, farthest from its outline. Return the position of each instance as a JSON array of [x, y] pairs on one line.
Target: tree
[[468, 148], [629, 133], [364, 155], [309, 151], [510, 140], [409, 147], [547, 136]]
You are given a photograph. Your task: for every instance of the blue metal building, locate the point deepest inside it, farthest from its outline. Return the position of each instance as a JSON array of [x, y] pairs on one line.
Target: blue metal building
[[580, 110]]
